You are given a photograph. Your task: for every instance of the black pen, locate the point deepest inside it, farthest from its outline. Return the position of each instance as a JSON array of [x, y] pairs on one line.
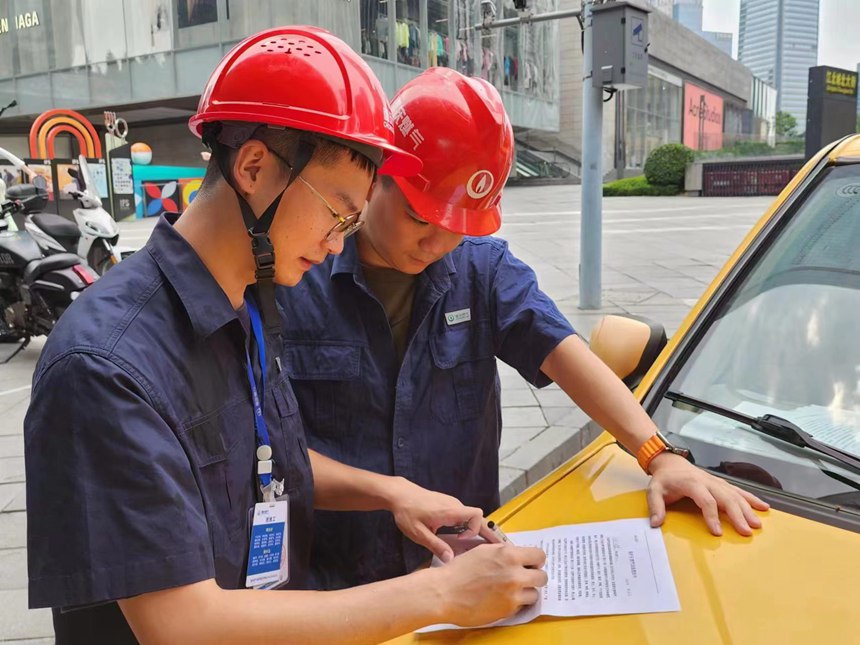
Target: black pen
[[498, 532]]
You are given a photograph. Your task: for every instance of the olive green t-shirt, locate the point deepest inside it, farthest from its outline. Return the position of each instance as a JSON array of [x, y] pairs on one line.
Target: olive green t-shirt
[[396, 291]]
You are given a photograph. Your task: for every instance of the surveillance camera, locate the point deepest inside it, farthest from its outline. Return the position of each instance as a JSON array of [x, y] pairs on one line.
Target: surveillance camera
[[521, 5]]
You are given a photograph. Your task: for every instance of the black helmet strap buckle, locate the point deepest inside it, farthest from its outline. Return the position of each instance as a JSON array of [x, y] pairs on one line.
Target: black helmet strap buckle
[[258, 228]]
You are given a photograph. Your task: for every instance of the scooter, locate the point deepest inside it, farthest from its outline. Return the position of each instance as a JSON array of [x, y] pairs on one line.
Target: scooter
[[94, 233], [34, 290]]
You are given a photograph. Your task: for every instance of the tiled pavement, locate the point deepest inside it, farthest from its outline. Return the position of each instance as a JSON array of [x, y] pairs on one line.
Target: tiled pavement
[[659, 254]]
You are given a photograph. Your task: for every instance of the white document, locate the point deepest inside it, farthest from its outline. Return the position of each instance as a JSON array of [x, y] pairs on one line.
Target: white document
[[595, 569]]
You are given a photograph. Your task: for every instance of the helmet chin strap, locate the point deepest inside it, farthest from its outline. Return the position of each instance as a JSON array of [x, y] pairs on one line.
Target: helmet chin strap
[[258, 228]]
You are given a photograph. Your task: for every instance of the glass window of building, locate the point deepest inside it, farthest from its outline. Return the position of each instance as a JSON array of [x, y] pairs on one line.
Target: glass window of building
[[511, 57], [197, 23], [148, 27], [438, 33], [374, 28], [528, 53], [28, 21], [467, 48], [409, 34], [102, 45], [652, 117]]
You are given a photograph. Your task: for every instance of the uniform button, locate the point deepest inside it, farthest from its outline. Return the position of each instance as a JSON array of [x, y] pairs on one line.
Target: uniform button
[[400, 442]]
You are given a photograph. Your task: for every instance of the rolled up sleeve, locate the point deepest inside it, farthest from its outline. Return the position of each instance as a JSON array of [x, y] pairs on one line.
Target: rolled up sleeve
[[529, 325]]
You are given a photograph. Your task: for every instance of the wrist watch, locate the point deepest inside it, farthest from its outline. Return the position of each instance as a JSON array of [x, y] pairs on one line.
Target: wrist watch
[[653, 447]]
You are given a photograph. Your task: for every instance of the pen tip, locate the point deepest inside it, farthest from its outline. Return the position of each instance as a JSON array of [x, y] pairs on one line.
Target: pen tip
[[491, 524]]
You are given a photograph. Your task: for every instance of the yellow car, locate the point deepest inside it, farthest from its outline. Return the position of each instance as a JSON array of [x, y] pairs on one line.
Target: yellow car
[[777, 333]]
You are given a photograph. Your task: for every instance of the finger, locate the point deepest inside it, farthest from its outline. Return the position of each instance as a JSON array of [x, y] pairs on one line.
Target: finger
[[708, 505], [731, 507], [752, 519], [535, 578], [488, 534], [656, 504], [474, 522], [754, 501], [527, 597], [529, 556], [436, 545]]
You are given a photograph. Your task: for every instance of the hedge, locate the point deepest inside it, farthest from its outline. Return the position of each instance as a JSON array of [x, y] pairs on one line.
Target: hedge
[[633, 186], [667, 164]]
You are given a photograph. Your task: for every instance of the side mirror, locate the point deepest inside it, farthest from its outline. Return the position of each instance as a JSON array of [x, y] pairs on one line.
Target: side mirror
[[629, 345]]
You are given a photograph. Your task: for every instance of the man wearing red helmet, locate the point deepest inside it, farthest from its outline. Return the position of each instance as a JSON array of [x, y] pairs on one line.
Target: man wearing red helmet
[[166, 460], [393, 359]]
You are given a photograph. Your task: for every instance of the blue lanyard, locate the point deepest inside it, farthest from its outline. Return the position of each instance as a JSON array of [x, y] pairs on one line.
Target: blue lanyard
[[264, 448]]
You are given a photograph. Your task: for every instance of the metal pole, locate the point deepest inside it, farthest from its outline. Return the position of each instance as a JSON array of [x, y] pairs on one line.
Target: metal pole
[[526, 19], [591, 222]]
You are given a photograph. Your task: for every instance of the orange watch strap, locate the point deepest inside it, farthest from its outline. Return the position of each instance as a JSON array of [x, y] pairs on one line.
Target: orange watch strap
[[650, 449]]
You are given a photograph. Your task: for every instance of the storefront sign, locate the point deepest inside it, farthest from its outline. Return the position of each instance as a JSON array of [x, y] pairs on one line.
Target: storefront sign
[[21, 21], [703, 119]]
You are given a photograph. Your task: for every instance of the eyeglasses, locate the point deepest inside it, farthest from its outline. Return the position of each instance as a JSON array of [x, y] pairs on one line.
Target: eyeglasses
[[346, 224]]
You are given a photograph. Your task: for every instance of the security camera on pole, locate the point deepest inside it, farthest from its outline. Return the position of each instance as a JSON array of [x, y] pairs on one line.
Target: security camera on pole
[[615, 58]]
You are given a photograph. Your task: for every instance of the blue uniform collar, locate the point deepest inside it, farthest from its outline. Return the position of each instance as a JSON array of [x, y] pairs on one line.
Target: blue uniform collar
[[347, 262], [203, 298]]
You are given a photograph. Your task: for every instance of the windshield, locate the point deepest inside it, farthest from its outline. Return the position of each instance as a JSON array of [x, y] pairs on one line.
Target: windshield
[[787, 343]]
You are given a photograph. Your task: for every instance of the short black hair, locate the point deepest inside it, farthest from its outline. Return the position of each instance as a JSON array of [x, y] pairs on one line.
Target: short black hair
[[284, 142]]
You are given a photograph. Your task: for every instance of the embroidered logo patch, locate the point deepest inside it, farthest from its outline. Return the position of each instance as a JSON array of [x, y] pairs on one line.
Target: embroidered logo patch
[[456, 317]]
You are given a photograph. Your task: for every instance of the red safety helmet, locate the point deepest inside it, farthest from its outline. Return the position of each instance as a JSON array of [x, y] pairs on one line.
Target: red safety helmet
[[308, 79], [458, 127]]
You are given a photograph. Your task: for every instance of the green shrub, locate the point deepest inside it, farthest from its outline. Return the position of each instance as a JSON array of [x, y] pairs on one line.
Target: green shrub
[[633, 186], [667, 164]]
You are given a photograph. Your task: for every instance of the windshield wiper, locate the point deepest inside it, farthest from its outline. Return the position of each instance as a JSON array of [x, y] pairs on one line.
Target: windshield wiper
[[772, 426]]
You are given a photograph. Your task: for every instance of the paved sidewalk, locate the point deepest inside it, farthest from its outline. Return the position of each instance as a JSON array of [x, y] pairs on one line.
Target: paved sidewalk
[[659, 255]]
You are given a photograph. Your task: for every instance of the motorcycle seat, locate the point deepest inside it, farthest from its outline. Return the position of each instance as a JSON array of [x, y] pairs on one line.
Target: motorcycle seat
[[56, 226], [37, 268]]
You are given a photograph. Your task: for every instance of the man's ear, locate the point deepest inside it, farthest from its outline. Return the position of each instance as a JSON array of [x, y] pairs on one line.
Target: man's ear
[[247, 165]]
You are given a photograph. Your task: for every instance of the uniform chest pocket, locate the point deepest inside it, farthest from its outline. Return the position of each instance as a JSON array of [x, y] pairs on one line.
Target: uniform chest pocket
[[297, 467], [224, 465], [463, 360], [324, 376]]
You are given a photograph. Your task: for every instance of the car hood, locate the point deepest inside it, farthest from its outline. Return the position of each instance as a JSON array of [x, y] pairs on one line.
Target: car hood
[[794, 581]]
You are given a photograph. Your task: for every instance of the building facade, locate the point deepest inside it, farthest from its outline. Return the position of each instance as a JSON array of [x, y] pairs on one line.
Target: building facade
[[696, 93], [778, 41], [148, 60]]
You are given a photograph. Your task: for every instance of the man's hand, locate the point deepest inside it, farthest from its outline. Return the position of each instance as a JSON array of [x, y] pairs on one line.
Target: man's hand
[[490, 582], [419, 513], [674, 478]]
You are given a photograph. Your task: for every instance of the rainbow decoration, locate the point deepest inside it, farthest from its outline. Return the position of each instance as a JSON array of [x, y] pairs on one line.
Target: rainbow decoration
[[53, 122]]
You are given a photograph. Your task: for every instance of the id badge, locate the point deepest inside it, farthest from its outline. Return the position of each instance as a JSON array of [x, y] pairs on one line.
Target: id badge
[[268, 554]]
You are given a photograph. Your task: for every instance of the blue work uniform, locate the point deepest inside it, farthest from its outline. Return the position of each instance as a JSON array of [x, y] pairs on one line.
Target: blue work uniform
[[436, 418], [140, 444]]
